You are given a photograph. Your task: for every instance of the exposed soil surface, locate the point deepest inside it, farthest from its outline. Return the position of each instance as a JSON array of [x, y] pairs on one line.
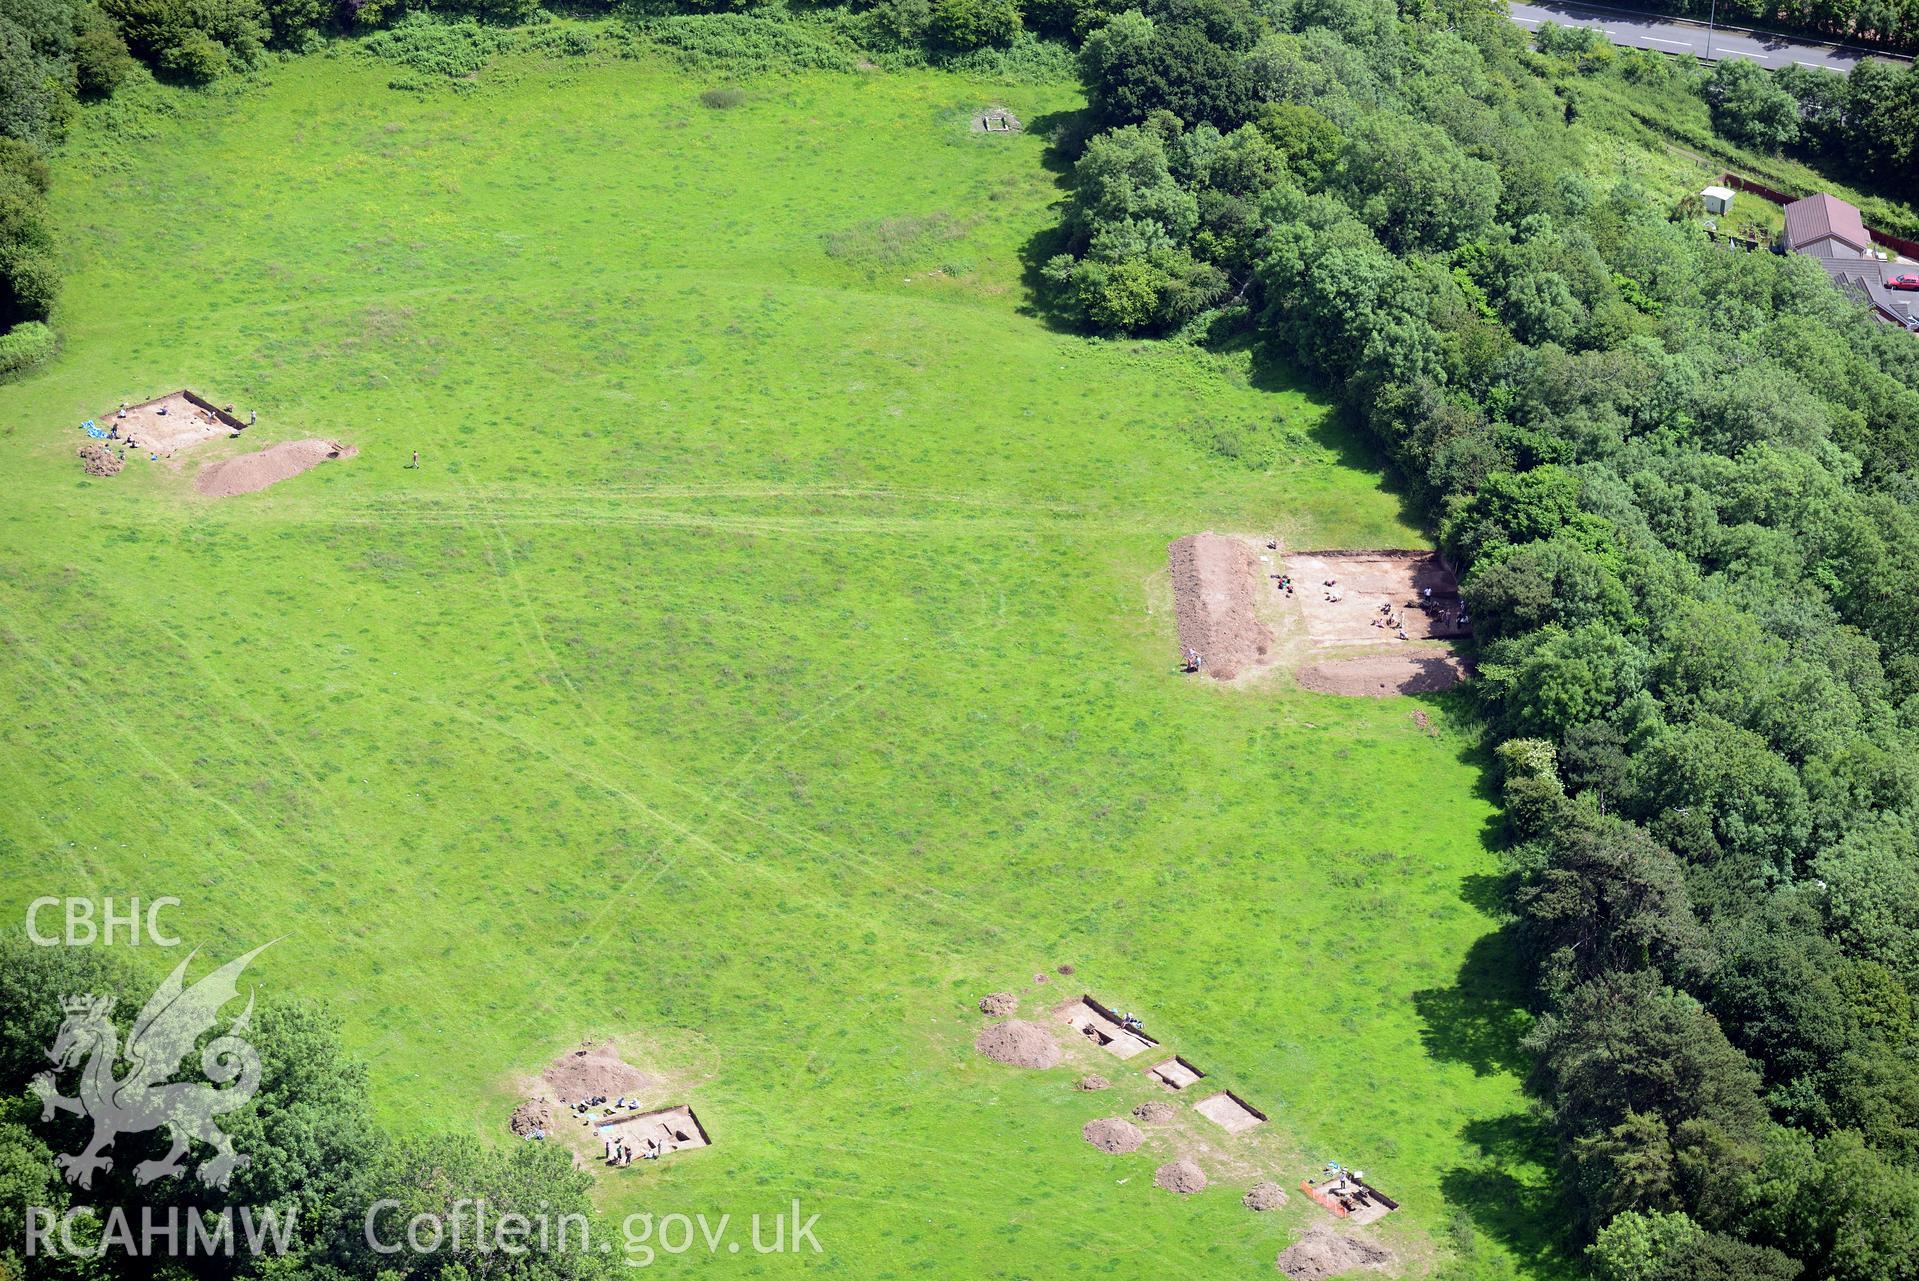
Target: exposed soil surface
[[1155, 1112], [1413, 587], [252, 472], [1214, 579], [1415, 671], [98, 460], [1093, 1082], [1264, 1196], [664, 1129], [1182, 1176], [998, 1004], [1229, 1112], [169, 423], [1112, 1134], [592, 1071], [534, 1114], [1324, 1253], [1026, 1045], [1175, 1073]]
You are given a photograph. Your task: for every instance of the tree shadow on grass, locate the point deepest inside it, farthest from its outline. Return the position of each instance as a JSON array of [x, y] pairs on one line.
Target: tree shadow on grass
[[1046, 302], [1339, 430], [1512, 1194], [1480, 1020]]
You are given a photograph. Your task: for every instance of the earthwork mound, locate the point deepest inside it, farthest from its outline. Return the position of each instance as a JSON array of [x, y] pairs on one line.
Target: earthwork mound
[[1264, 1196], [1324, 1253], [1155, 1111], [1112, 1134], [251, 472], [1026, 1045], [1383, 675], [1214, 578], [998, 1004], [534, 1114], [1093, 1082], [593, 1071], [1182, 1176], [98, 460]]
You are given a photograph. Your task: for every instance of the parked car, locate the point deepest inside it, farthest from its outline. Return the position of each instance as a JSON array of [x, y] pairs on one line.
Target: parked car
[[1904, 280]]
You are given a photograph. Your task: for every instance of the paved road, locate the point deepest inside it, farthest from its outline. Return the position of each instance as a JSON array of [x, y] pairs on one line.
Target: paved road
[[1681, 36]]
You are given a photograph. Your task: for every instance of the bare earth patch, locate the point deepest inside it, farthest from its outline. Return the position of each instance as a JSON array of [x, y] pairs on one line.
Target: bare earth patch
[[1264, 1196], [1214, 580], [1415, 671], [593, 1071], [98, 460], [1415, 587], [1155, 1112], [627, 1138], [1112, 1134], [1026, 1045], [252, 472], [172, 422], [1175, 1073], [1182, 1176], [1230, 1112], [1104, 1027], [1324, 1253], [998, 1004], [535, 1116], [1092, 1081]]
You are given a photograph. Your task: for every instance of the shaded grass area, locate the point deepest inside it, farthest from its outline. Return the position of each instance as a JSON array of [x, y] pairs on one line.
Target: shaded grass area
[[770, 656]]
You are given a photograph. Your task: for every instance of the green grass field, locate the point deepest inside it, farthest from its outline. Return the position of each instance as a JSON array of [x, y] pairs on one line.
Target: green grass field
[[770, 656]]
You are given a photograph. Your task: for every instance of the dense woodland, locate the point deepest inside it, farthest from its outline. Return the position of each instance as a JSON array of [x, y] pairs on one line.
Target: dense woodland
[[1683, 484], [57, 54]]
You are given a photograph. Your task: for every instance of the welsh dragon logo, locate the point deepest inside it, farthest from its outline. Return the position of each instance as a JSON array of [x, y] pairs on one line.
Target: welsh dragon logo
[[144, 1098]]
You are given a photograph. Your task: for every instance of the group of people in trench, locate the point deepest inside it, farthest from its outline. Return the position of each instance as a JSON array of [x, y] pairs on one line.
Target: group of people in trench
[[621, 1151], [128, 442]]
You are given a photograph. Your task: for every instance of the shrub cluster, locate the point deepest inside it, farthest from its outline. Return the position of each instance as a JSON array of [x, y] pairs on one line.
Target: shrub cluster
[[29, 276]]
